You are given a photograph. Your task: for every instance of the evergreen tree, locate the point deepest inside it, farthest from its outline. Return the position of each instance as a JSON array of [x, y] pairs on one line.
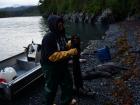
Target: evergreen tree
[[120, 8]]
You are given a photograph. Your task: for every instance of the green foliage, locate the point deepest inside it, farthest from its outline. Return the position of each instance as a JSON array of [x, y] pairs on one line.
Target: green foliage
[[93, 6], [136, 5], [120, 8]]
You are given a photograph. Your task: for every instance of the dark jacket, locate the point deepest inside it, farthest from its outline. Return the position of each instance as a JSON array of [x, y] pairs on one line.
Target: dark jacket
[[52, 41]]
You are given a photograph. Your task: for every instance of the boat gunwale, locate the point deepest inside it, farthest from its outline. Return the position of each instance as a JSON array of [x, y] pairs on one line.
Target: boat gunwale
[[4, 60]]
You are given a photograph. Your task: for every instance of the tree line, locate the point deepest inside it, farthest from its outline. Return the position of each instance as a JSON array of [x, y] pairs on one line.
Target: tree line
[[19, 11], [120, 8]]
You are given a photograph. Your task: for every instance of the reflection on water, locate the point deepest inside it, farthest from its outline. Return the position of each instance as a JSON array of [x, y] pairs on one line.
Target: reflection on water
[[17, 32], [86, 31]]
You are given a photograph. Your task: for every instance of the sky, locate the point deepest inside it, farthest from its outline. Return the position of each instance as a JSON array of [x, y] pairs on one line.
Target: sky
[[8, 3]]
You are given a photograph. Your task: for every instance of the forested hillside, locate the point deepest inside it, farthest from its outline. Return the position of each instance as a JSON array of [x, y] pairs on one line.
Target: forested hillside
[[120, 8], [19, 11]]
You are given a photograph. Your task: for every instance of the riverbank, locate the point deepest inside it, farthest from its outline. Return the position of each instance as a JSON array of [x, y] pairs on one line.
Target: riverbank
[[122, 86]]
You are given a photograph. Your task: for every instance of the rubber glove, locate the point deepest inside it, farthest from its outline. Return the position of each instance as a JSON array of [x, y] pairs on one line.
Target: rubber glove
[[61, 55], [73, 51]]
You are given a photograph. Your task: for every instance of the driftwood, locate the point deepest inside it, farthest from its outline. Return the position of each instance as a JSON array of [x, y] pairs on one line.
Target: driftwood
[[105, 70], [94, 75], [110, 67]]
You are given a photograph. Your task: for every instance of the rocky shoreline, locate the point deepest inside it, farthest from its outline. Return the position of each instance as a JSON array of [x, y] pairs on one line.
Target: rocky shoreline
[[122, 87], [104, 17]]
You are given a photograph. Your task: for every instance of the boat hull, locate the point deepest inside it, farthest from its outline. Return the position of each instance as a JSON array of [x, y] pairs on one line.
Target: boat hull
[[27, 73]]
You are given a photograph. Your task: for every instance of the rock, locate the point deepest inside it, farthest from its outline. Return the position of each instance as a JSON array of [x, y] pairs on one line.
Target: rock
[[106, 17], [93, 19], [86, 18], [81, 17], [80, 60]]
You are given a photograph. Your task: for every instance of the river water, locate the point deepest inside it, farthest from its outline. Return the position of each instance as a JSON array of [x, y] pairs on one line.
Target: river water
[[18, 32]]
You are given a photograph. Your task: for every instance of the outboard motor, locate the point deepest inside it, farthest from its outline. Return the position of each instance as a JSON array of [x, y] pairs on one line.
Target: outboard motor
[[33, 52]]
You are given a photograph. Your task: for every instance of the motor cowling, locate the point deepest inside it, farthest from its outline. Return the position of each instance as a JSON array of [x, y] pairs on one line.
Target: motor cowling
[[33, 52]]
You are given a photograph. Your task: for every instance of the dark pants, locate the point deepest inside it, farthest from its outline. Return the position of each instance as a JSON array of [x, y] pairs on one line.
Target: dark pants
[[57, 75]]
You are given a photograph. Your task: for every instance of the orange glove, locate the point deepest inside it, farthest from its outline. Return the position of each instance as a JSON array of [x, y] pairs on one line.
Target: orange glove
[[73, 51], [56, 56]]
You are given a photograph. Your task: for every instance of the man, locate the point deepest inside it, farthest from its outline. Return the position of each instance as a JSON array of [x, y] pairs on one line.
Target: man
[[54, 61]]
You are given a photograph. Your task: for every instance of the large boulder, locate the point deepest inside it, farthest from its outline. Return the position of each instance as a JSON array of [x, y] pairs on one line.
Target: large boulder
[[106, 17]]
